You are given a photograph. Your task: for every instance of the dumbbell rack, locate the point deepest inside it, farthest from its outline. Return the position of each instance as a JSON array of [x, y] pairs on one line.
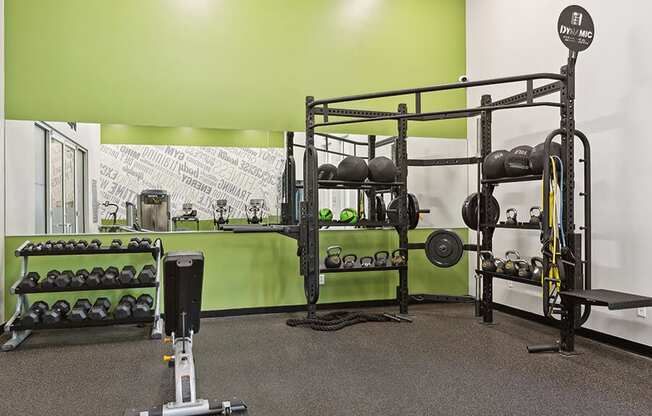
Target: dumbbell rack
[[19, 333]]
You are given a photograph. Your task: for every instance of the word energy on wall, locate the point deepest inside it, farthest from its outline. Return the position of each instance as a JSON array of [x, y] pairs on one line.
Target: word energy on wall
[[189, 174]]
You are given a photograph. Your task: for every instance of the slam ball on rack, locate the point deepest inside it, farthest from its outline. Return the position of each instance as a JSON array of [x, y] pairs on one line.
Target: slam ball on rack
[[326, 172], [517, 161], [382, 169], [352, 168], [493, 166], [536, 157]]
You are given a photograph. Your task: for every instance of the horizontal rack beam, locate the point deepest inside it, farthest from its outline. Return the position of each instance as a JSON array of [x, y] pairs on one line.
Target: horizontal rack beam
[[334, 184], [517, 226], [530, 94], [341, 139], [18, 291], [354, 269], [444, 162], [510, 278], [332, 152], [524, 178], [66, 324], [101, 250], [442, 87], [359, 224]]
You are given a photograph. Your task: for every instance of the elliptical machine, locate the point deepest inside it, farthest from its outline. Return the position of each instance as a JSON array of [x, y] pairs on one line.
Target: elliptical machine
[[183, 274], [220, 207]]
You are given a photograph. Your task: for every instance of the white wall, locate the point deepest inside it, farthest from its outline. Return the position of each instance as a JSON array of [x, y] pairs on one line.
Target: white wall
[[20, 171], [441, 189], [614, 76]]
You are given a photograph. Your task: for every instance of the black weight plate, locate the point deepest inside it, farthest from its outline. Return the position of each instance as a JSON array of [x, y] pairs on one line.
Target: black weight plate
[[413, 211], [444, 248], [470, 211]]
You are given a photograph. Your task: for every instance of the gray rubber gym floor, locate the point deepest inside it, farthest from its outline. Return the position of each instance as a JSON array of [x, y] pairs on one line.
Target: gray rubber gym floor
[[444, 363]]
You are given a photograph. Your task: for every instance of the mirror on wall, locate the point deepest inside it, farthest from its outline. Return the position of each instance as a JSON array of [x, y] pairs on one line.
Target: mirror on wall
[[76, 178]]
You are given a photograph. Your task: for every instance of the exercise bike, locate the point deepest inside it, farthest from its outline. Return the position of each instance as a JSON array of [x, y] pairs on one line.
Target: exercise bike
[[183, 274], [256, 208], [221, 208]]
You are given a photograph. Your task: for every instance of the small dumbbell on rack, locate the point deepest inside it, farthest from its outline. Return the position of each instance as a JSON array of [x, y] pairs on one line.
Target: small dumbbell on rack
[[57, 313], [147, 275], [110, 277], [125, 307], [29, 282], [94, 278], [64, 278], [95, 244], [128, 275], [34, 315], [80, 310], [100, 309], [50, 279], [79, 279], [143, 306]]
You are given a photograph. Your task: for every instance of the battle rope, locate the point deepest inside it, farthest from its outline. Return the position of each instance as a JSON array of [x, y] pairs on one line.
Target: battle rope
[[334, 321]]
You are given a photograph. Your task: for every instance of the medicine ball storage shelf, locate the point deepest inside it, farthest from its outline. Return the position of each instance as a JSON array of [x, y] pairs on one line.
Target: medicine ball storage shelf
[[87, 323], [19, 333], [524, 178]]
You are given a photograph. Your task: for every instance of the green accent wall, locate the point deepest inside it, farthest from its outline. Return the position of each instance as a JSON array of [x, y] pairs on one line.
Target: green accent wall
[[231, 64], [255, 270], [188, 136]]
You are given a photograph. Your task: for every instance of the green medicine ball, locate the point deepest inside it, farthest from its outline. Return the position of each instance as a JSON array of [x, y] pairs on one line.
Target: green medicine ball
[[349, 216], [325, 214]]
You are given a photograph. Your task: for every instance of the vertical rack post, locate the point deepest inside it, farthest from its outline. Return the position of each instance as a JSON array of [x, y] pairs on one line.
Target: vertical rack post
[[310, 250], [18, 336], [371, 193], [289, 206], [486, 305], [157, 326], [401, 162], [570, 310]]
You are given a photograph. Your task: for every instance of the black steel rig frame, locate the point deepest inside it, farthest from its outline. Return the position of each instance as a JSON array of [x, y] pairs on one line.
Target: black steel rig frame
[[574, 292]]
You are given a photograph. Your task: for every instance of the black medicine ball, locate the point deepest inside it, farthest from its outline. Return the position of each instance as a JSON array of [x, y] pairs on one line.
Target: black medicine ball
[[382, 169], [536, 157], [493, 166], [352, 168], [326, 172], [517, 161]]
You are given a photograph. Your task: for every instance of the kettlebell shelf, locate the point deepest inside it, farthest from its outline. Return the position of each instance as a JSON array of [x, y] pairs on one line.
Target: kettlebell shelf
[[509, 277], [524, 178], [324, 269], [19, 332], [517, 226]]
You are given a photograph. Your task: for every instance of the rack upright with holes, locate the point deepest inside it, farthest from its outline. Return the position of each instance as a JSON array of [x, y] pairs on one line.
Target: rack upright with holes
[[18, 333]]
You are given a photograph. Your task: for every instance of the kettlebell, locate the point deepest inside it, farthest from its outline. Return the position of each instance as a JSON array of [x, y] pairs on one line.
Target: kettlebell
[[523, 269], [537, 268], [535, 215], [380, 258], [398, 257], [366, 261], [500, 265], [511, 215], [511, 257], [488, 263], [333, 260], [349, 260]]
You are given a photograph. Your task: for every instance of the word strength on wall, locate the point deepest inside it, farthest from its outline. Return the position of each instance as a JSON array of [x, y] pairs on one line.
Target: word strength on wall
[[198, 175]]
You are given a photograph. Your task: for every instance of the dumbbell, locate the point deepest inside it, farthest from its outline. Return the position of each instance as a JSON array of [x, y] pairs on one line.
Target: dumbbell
[[47, 246], [95, 277], [70, 245], [30, 281], [29, 248], [59, 245], [124, 308], [57, 313], [95, 244], [64, 279], [116, 243], [100, 309], [147, 275], [143, 305], [79, 279], [50, 278], [34, 314], [145, 243], [110, 277], [38, 248], [128, 275], [81, 245], [80, 310], [134, 243]]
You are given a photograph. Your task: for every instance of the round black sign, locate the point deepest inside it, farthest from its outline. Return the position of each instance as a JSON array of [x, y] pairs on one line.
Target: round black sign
[[575, 28]]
